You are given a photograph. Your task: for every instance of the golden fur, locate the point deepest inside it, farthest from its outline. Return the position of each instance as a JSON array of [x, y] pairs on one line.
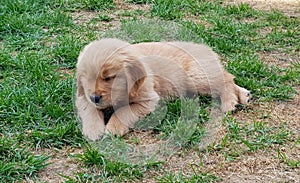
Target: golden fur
[[132, 78]]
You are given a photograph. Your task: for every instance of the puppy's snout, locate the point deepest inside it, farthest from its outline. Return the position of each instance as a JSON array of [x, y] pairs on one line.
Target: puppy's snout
[[96, 98]]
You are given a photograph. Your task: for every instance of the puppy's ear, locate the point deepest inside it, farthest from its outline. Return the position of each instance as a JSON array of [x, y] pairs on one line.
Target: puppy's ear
[[80, 90], [136, 75]]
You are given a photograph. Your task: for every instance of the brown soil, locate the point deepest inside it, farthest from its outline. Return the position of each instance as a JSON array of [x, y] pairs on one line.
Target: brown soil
[[62, 162], [84, 17], [288, 7]]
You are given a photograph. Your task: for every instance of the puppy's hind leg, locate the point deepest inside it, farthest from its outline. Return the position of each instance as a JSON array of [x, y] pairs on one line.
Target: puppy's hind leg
[[232, 96], [92, 119], [229, 100]]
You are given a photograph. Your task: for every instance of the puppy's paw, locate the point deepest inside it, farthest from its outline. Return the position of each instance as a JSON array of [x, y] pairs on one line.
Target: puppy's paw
[[244, 96], [93, 132], [116, 127], [230, 102], [229, 106]]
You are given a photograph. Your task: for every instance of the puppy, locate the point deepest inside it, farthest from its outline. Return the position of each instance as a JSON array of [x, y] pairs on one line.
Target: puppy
[[132, 78]]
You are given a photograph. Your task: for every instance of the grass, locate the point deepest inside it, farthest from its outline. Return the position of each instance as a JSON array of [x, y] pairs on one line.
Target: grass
[[116, 169], [288, 161], [183, 123], [241, 139], [198, 176], [40, 43], [17, 162]]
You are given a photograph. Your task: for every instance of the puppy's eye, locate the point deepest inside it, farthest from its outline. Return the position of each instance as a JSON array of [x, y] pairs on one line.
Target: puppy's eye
[[108, 78]]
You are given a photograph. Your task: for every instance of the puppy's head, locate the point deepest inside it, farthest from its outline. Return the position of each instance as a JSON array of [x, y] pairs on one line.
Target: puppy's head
[[109, 73]]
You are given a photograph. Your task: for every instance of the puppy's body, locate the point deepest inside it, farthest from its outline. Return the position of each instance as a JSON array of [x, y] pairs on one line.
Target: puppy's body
[[197, 66], [132, 79]]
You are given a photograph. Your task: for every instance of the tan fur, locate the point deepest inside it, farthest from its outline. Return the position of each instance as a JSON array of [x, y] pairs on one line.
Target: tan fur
[[132, 78]]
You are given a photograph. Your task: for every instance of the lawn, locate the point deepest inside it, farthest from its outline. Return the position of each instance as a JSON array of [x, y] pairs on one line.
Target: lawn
[[181, 141]]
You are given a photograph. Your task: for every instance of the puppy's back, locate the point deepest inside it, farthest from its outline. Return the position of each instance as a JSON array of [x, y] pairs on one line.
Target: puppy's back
[[197, 61]]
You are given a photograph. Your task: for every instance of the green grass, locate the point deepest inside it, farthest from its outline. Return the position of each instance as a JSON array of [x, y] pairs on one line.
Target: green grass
[[18, 163], [109, 169], [241, 139], [40, 40], [197, 177], [183, 122], [288, 161]]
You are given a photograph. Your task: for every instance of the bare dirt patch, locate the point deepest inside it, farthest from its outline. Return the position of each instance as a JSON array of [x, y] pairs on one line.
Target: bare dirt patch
[[262, 168], [290, 8], [61, 162], [282, 60], [64, 72], [266, 165], [275, 113], [115, 15]]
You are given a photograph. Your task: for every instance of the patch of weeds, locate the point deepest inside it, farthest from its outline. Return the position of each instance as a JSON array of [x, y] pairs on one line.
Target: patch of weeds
[[105, 18], [96, 5], [76, 5], [81, 177], [17, 162], [112, 169], [198, 176], [133, 14], [242, 11], [292, 74], [244, 138], [288, 161], [276, 18], [118, 150]]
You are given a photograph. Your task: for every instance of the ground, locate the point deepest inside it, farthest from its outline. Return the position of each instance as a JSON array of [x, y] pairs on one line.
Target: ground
[[260, 166], [288, 7], [271, 164]]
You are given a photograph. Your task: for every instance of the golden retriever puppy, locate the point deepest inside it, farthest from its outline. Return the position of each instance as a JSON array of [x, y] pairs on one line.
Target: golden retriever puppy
[[132, 78]]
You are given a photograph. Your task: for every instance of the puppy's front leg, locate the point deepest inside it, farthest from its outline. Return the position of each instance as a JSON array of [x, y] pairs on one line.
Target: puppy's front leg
[[126, 117], [92, 119]]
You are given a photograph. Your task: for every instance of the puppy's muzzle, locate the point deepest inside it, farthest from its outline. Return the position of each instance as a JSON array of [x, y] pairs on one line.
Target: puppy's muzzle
[[96, 99]]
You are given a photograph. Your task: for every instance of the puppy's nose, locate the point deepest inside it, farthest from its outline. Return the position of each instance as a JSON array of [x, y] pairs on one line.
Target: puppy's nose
[[96, 98]]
